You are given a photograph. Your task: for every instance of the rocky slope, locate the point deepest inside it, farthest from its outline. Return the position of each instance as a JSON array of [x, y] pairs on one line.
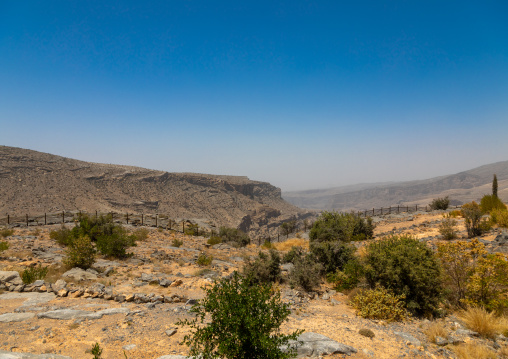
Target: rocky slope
[[460, 187], [35, 182]]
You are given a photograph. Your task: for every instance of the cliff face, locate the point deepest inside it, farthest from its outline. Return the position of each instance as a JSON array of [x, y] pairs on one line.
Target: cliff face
[[35, 182]]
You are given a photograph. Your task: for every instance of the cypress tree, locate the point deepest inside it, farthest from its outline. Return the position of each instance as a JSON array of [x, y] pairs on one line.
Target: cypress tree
[[494, 186]]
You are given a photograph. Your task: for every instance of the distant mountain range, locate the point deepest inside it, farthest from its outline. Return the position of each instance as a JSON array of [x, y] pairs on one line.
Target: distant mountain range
[[35, 182], [461, 187]]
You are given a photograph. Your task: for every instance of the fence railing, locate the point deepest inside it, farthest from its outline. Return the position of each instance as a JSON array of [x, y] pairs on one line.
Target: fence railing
[[396, 209], [63, 217]]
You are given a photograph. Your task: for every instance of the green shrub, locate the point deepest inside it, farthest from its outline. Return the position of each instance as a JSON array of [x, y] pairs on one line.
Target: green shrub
[[6, 232], [366, 333], [267, 244], [332, 255], [62, 236], [96, 351], [293, 255], [214, 240], [408, 268], [499, 217], [176, 242], [475, 225], [4, 245], [440, 203], [204, 260], [264, 269], [116, 244], [253, 332], [380, 303], [31, 274], [447, 228], [334, 226], [490, 202], [349, 277], [234, 235], [81, 253], [306, 273]]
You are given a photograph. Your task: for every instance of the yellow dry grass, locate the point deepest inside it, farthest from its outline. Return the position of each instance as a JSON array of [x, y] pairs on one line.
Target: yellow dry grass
[[436, 329], [292, 242], [485, 323], [474, 351]]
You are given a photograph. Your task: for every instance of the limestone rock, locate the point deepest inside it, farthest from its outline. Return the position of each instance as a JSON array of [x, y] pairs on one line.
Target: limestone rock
[[79, 274], [15, 317], [314, 344], [10, 277]]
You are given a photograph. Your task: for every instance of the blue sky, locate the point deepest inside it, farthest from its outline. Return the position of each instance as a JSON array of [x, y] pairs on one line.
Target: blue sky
[[302, 94]]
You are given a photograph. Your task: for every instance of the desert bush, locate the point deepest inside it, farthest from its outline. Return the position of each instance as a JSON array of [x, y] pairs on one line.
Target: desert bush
[[264, 269], [349, 277], [234, 235], [62, 236], [4, 245], [499, 217], [440, 203], [334, 226], [6, 232], [176, 243], [306, 273], [214, 240], [488, 325], [294, 254], [96, 351], [380, 303], [31, 274], [116, 243], [474, 350], [332, 255], [434, 330], [472, 276], [141, 234], [290, 243], [475, 225], [366, 333], [81, 253], [407, 267], [204, 260], [447, 228], [490, 202], [455, 213], [267, 244], [252, 333]]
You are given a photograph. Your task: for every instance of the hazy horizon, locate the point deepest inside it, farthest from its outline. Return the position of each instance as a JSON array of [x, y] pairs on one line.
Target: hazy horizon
[[300, 94]]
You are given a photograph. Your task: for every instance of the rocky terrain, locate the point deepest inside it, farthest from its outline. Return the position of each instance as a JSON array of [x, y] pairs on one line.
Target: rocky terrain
[[460, 187], [34, 182], [130, 307]]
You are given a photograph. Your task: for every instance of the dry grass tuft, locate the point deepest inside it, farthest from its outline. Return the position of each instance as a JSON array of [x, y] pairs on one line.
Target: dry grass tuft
[[434, 330], [474, 351], [487, 324], [293, 242], [503, 352]]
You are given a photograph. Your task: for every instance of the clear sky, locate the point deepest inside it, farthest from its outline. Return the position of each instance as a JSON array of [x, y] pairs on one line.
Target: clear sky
[[302, 94]]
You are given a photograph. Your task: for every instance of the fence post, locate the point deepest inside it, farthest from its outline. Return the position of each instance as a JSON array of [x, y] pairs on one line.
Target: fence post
[[142, 219], [156, 215], [127, 220], [63, 217], [381, 210], [183, 226], [169, 224], [416, 208], [365, 213], [45, 220], [95, 214], [8, 219], [398, 208], [373, 213], [27, 219]]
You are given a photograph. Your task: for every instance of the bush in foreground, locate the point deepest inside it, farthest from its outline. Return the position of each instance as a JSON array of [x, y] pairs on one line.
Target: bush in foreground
[[81, 253], [406, 267], [332, 255], [491, 202], [475, 225], [253, 332], [380, 303], [264, 269], [306, 273]]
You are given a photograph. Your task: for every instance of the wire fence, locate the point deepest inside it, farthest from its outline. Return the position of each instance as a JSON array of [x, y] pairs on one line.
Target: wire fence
[[396, 210]]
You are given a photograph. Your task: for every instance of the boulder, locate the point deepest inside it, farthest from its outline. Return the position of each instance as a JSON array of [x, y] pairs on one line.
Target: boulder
[[15, 317], [79, 274], [10, 277], [314, 344]]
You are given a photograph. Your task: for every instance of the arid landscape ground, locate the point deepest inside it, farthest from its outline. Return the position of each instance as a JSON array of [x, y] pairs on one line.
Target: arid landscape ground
[[131, 306]]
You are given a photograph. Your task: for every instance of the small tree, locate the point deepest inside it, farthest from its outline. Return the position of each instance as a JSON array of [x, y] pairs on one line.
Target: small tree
[[473, 218], [494, 186], [440, 203], [335, 226], [238, 320], [288, 228]]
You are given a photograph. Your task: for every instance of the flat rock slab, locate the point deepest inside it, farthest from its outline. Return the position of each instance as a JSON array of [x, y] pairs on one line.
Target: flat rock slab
[[29, 299], [79, 274], [11, 277], [13, 355], [409, 338], [66, 314], [15, 317], [314, 344]]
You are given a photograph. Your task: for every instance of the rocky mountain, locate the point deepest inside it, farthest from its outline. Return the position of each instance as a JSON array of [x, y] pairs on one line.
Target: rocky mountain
[[460, 187], [35, 182]]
